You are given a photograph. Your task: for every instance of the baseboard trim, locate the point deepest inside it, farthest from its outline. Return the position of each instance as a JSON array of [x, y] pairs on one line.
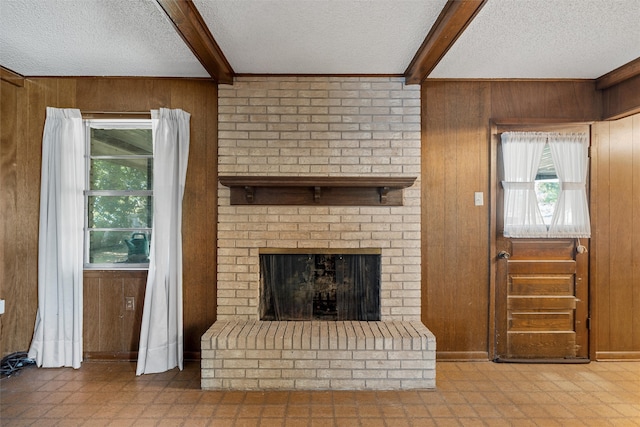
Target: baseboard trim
[[111, 355], [191, 355], [618, 355], [456, 356], [548, 361], [131, 356]]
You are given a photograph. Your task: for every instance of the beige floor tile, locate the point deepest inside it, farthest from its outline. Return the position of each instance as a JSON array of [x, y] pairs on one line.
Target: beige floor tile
[[604, 394]]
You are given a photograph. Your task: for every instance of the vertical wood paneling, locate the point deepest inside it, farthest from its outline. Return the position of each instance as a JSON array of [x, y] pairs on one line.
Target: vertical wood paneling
[[516, 99], [561, 100], [451, 257], [91, 313], [635, 233], [29, 160], [620, 254], [601, 223], [621, 99], [116, 330], [111, 331], [199, 218], [433, 144], [455, 245], [123, 94], [133, 287], [24, 142], [615, 269], [111, 311], [192, 261], [9, 100]]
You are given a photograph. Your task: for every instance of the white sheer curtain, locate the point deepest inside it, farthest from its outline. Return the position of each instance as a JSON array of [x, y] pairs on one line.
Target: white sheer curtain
[[161, 335], [57, 338], [521, 153], [570, 157]]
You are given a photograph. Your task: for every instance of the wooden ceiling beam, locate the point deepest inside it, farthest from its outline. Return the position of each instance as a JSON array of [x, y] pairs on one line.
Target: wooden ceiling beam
[[194, 31], [12, 77], [620, 74], [452, 21]]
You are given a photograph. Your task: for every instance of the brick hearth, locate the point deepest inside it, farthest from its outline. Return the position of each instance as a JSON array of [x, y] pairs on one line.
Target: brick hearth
[[255, 355]]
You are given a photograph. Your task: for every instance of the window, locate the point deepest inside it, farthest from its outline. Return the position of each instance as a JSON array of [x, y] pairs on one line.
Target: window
[[118, 193], [544, 182]]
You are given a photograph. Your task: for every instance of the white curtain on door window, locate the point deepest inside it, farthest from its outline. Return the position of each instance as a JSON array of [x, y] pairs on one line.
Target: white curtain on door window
[[521, 154], [161, 334], [57, 338], [570, 154]]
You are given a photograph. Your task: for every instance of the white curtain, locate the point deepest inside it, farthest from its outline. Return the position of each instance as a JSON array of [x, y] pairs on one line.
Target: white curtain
[[57, 338], [161, 335], [570, 157], [521, 154]]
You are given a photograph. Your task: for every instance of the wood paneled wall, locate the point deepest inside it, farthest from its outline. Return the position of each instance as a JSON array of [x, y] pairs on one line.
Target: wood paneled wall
[[21, 158], [23, 114], [456, 117], [622, 99], [615, 248], [455, 233], [113, 332], [8, 185]]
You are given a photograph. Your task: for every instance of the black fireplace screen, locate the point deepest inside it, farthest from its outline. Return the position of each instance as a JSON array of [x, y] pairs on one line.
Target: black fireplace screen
[[319, 287]]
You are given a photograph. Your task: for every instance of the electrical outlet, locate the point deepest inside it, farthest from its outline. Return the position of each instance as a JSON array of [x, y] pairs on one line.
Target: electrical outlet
[[129, 303], [1, 306], [478, 198]]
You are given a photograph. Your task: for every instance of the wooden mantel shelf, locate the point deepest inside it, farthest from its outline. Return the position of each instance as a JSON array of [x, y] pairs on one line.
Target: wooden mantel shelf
[[317, 190]]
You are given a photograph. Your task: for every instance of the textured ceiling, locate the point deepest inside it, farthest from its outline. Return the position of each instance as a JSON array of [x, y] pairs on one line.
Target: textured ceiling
[[92, 38], [545, 39], [320, 36], [507, 39]]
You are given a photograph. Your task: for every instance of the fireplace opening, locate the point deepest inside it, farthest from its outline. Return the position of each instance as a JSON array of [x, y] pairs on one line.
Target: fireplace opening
[[319, 286]]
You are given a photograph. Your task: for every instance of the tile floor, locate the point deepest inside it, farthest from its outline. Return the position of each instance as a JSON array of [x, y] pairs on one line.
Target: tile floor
[[468, 394]]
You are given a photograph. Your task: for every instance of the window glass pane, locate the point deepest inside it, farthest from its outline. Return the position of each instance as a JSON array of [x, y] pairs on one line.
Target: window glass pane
[[120, 211], [121, 174], [118, 142], [115, 247], [547, 192], [547, 186]]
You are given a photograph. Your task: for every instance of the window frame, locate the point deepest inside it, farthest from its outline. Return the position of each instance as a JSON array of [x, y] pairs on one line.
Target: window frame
[[88, 192]]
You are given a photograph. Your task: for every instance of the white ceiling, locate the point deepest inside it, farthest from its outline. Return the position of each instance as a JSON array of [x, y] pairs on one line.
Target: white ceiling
[[319, 36], [507, 39], [92, 38], [545, 39]]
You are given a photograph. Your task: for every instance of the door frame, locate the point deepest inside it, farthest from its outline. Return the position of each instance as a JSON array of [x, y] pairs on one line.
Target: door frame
[[496, 127]]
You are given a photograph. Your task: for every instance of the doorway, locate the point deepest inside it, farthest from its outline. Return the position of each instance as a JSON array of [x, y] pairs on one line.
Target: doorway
[[540, 285]]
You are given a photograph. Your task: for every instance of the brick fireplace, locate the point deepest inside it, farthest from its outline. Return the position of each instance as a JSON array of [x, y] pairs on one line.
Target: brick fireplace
[[319, 126]]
